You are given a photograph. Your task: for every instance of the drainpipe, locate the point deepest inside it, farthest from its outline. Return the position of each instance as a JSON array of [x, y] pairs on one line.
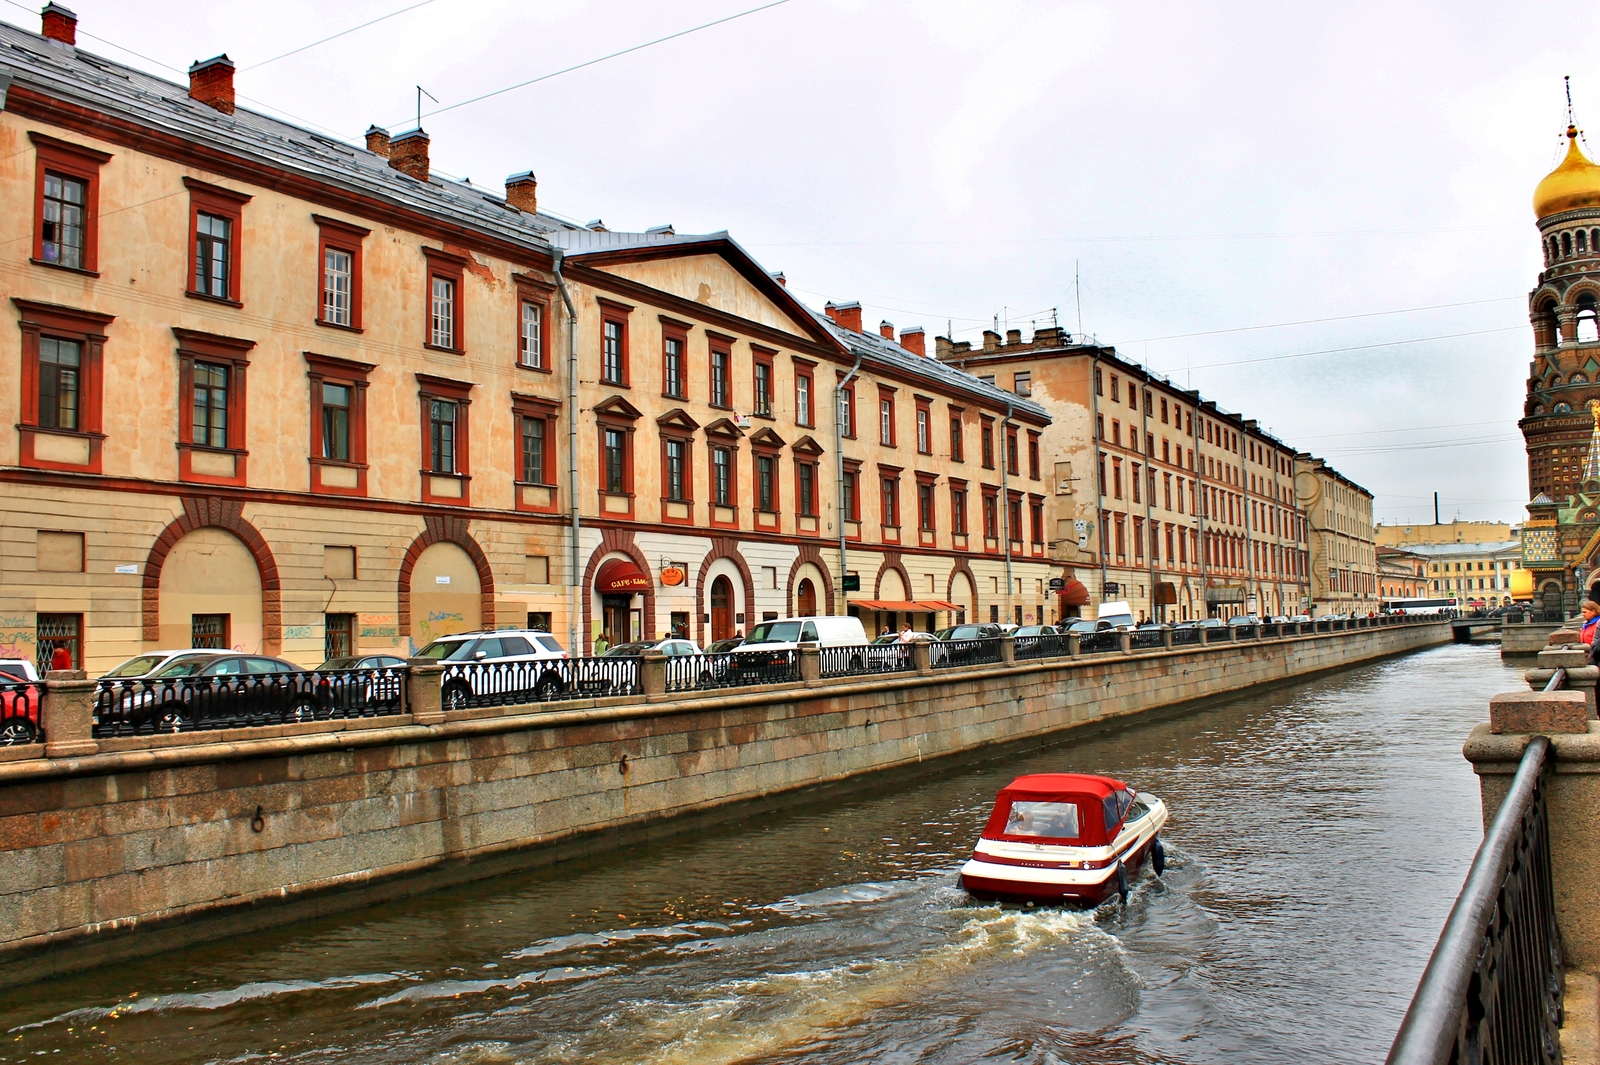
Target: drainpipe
[[1005, 504], [1150, 490], [574, 577], [1200, 512], [838, 469]]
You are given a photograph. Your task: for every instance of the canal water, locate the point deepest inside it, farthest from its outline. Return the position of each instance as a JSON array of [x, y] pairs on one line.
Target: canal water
[[1320, 832]]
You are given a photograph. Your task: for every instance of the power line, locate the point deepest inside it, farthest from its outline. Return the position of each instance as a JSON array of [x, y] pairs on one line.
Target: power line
[[602, 59], [1412, 429], [336, 36], [1356, 347], [1319, 321], [1137, 238]]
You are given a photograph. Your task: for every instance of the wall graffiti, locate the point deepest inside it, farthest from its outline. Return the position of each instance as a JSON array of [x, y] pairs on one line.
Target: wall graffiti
[[18, 637]]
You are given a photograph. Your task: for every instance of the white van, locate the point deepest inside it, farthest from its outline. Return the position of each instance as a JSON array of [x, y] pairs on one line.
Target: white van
[[829, 631], [1120, 614]]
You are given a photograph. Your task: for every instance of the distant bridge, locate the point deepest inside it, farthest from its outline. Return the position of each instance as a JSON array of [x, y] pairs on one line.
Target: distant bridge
[[1464, 629]]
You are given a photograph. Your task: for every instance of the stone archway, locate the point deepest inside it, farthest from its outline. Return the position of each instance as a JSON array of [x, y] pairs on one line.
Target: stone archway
[[810, 555], [728, 548], [201, 512], [891, 563], [445, 530], [966, 599], [614, 542]]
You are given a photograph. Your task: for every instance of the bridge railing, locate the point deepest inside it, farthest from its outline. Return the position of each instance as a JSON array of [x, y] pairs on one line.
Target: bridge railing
[[1492, 990]]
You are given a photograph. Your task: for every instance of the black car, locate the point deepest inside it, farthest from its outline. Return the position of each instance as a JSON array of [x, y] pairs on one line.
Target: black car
[[209, 692]]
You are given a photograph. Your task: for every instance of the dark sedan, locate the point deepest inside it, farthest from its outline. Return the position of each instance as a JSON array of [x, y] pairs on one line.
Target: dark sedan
[[209, 692]]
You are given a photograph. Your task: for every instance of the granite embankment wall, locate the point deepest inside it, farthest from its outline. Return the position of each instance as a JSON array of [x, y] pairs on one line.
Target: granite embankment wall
[[172, 839]]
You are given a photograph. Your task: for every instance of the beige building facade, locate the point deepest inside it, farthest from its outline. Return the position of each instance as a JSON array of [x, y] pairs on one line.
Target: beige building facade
[[1454, 532], [1158, 496], [1344, 559], [275, 393]]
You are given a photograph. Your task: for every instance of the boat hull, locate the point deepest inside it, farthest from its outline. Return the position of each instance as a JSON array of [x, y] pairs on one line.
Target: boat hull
[[1050, 876]]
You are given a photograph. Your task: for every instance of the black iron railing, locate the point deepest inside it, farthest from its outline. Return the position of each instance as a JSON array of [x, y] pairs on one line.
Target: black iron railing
[[1145, 639], [142, 706], [982, 651], [1183, 636], [1042, 646], [1099, 642], [1492, 990], [733, 669], [19, 714], [1246, 632], [477, 684], [859, 660]]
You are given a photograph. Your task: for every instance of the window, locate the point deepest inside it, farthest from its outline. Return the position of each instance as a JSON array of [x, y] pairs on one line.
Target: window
[[885, 419], [672, 383], [615, 453], [1116, 432], [986, 437], [212, 241], [1011, 452], [925, 508], [1036, 520], [1033, 456], [802, 396], [1022, 382], [339, 247], [212, 382], [1116, 478], [66, 208], [891, 501], [924, 443], [958, 509], [764, 483], [1116, 395], [851, 503], [1099, 384], [719, 377], [806, 477], [444, 441], [847, 411], [336, 403], [676, 468], [614, 342], [533, 450], [60, 371], [441, 436], [1014, 519], [530, 351], [762, 367], [991, 516], [722, 476], [445, 271]]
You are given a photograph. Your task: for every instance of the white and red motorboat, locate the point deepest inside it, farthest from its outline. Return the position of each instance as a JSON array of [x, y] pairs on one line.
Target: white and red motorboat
[[1065, 838]]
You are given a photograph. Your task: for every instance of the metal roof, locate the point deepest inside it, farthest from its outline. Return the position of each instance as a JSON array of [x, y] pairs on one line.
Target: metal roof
[[64, 72]]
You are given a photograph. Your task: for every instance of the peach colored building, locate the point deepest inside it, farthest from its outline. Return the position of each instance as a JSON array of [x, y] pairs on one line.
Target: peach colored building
[[276, 392]]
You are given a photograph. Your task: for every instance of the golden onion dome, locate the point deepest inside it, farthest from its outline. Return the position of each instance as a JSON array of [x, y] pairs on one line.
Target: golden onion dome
[[1575, 183]]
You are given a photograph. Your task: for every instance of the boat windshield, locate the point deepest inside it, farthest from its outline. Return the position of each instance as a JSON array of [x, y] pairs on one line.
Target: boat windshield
[[1053, 820]]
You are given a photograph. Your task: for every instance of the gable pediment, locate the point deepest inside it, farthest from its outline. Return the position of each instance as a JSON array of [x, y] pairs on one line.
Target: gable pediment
[[678, 418], [617, 407], [766, 437], [724, 428], [807, 446]]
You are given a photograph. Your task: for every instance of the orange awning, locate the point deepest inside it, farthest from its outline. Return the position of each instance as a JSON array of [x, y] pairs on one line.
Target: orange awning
[[902, 606], [1074, 593], [621, 575]]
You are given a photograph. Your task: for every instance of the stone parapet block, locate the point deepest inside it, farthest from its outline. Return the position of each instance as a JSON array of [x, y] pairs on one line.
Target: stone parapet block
[[810, 663], [1564, 657], [1538, 713], [1125, 642], [66, 714], [922, 655], [653, 673], [1562, 637], [1074, 644], [423, 697], [1008, 650]]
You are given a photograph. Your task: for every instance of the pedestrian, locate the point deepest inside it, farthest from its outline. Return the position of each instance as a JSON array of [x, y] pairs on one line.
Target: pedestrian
[[906, 634], [1591, 626], [602, 643], [61, 658]]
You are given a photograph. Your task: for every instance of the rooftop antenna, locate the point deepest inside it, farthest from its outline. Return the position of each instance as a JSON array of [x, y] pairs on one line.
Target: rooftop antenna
[[421, 92], [1077, 296]]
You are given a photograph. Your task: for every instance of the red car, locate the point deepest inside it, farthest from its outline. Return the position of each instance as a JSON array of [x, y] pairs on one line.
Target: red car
[[19, 710]]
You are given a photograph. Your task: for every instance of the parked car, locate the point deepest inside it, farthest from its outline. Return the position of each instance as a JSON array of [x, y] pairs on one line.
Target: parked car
[[1084, 627], [210, 689], [517, 662], [768, 645], [382, 686], [722, 647], [19, 710], [1241, 620], [20, 667], [670, 646], [1119, 613], [968, 632], [150, 662], [888, 651]]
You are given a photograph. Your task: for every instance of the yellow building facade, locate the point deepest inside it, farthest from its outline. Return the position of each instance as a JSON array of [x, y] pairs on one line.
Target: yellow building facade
[[277, 393], [1344, 558]]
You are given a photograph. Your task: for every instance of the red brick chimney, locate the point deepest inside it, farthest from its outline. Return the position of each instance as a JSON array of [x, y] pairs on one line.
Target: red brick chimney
[[847, 314], [378, 141], [408, 153], [211, 82], [780, 279], [59, 24], [521, 192], [912, 340], [886, 330]]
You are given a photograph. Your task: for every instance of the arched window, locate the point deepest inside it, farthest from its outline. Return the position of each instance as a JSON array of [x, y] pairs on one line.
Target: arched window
[[1583, 242], [1578, 379], [1594, 239], [1588, 327], [1555, 248], [1562, 408], [1566, 244]]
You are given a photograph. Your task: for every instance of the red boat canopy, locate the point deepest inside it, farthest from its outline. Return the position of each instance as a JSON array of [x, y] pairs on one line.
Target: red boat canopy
[[1073, 809]]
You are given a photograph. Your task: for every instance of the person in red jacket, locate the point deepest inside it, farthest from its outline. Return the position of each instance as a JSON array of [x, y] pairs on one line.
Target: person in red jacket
[[1591, 623], [61, 658]]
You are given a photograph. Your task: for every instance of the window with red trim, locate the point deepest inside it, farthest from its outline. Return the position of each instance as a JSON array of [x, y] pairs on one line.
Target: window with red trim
[[1036, 520], [215, 221], [1033, 455], [924, 427], [442, 327], [889, 484], [674, 358], [761, 381], [958, 442], [991, 514], [535, 424], [721, 349], [958, 507], [62, 392], [926, 508], [338, 424], [211, 418], [446, 439], [847, 411], [533, 322], [66, 207], [986, 435], [614, 342], [805, 474], [805, 394], [886, 425], [852, 490], [339, 247]]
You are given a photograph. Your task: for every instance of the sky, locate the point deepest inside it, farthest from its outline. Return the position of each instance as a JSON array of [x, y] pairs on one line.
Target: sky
[[1317, 214]]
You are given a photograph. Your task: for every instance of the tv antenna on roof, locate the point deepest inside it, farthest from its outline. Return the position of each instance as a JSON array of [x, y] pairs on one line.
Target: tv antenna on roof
[[421, 92]]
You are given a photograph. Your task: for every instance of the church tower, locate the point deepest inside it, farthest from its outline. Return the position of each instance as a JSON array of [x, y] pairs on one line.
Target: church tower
[[1564, 376]]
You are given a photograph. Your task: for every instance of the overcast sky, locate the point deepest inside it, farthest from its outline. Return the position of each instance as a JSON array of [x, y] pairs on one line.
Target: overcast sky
[[1205, 168]]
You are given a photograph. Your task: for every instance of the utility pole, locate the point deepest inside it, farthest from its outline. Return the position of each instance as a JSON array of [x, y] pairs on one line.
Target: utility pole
[[1436, 508]]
